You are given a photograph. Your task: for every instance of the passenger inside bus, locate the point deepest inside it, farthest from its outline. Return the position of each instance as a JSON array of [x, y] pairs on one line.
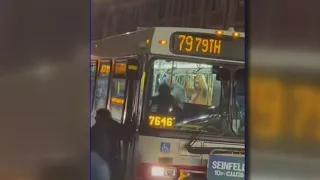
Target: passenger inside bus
[[202, 87], [199, 93], [164, 102], [177, 90]]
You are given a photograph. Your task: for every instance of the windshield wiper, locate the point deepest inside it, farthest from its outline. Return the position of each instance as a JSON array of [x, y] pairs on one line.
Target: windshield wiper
[[195, 137]]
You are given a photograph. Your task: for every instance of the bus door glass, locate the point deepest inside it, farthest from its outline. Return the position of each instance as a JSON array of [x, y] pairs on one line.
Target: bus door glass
[[117, 87], [93, 71], [101, 87], [124, 76]]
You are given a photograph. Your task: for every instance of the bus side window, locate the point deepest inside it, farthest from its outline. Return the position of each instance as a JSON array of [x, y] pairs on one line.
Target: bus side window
[[101, 86], [216, 92], [118, 84], [158, 82]]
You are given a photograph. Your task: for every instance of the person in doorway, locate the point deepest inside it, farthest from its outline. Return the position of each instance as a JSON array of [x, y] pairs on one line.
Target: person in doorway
[[177, 90], [105, 136]]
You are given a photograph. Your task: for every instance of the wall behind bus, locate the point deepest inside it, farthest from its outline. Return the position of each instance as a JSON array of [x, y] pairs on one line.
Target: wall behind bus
[[283, 142], [44, 94], [123, 16]]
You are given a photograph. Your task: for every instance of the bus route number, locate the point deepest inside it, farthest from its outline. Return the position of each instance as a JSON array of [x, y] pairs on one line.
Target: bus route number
[[189, 44], [161, 122], [105, 69], [119, 69]]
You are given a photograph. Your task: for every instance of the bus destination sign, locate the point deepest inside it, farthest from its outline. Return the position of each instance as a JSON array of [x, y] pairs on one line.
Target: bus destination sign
[[207, 45]]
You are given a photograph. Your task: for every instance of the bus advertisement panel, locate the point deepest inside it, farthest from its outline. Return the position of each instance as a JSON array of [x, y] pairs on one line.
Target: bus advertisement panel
[[226, 167]]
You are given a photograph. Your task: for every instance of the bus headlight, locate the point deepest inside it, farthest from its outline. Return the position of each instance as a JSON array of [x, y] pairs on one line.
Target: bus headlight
[[158, 171]]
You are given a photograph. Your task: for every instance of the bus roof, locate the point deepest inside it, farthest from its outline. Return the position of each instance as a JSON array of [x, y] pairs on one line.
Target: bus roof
[[148, 41]]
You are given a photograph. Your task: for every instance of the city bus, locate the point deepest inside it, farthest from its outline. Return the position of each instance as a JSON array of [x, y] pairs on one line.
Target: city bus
[[203, 111]]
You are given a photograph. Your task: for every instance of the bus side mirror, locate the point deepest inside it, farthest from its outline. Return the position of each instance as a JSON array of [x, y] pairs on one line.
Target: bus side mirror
[[240, 74], [223, 74], [133, 70]]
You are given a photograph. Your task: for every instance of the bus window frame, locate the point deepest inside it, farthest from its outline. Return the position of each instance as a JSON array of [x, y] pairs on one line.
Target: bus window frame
[[93, 89], [148, 90], [99, 63], [233, 99], [116, 76]]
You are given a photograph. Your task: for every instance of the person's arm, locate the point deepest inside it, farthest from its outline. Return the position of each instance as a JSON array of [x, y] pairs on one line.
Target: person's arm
[[185, 99], [187, 90], [179, 93], [177, 103]]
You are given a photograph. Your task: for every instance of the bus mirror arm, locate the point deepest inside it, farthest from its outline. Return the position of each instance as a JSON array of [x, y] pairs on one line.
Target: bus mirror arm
[[195, 137], [213, 150], [228, 150], [199, 150], [196, 150]]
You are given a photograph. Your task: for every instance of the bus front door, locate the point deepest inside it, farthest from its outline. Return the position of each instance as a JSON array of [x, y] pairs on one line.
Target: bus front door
[[124, 95]]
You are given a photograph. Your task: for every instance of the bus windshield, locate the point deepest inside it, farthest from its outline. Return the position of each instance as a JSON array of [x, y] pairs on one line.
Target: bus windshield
[[188, 96]]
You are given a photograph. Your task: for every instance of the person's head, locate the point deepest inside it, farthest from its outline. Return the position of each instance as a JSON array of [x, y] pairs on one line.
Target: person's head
[[200, 83], [164, 90], [103, 115], [169, 79]]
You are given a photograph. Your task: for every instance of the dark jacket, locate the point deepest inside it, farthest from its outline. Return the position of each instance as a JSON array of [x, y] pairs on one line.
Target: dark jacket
[[105, 137]]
